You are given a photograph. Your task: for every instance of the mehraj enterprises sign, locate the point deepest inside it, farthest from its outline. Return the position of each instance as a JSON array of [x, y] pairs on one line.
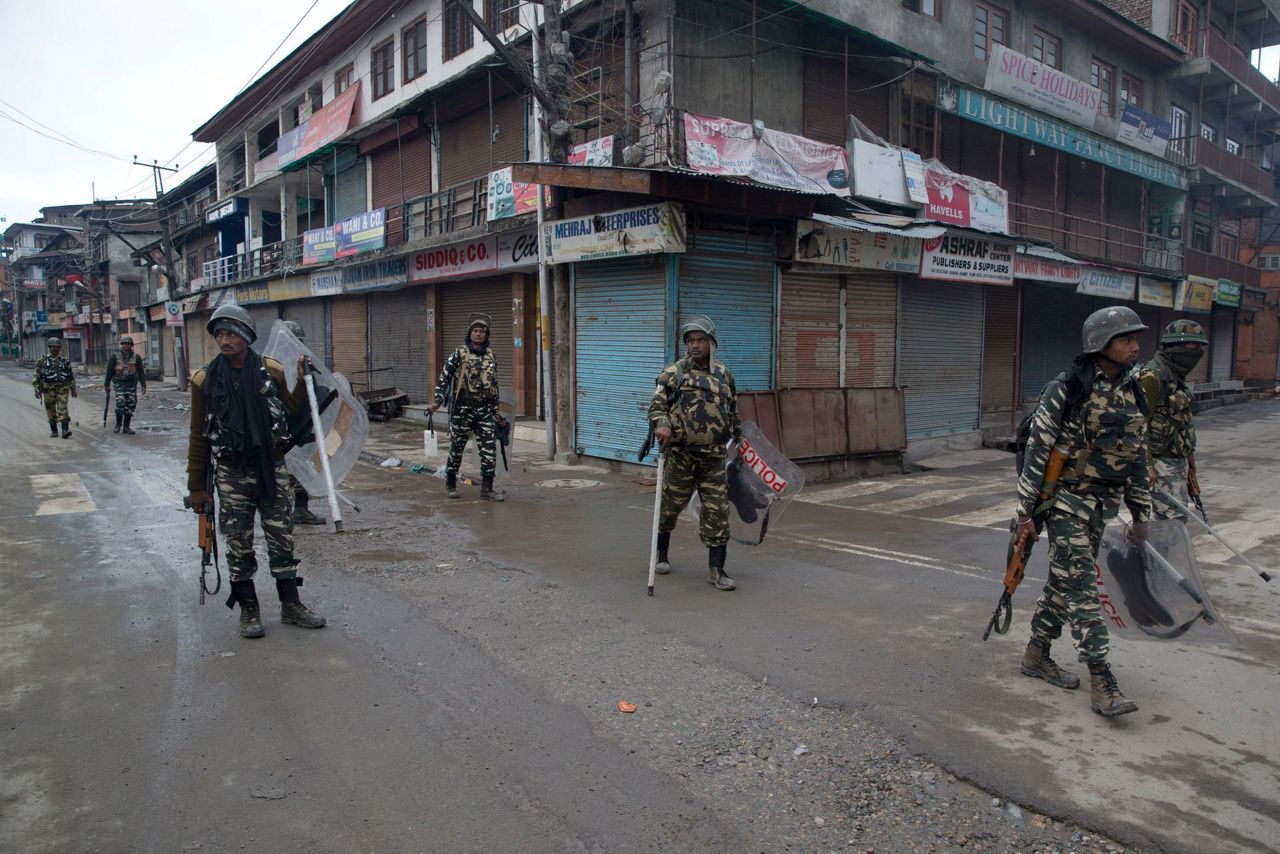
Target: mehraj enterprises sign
[[984, 110], [634, 231]]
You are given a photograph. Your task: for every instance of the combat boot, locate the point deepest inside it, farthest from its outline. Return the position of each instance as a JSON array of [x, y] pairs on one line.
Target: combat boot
[[451, 485], [302, 514], [715, 568], [487, 492], [66, 428], [291, 608], [250, 615], [664, 542], [127, 430], [119, 422], [1104, 694], [53, 429], [1036, 662]]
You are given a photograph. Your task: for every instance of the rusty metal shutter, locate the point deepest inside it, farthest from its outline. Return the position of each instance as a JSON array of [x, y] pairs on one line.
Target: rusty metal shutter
[[1084, 204], [829, 98], [398, 340], [401, 172], [470, 147], [1124, 211], [349, 328], [809, 332], [1000, 339], [348, 188], [310, 315], [198, 341], [491, 296], [871, 330], [869, 100]]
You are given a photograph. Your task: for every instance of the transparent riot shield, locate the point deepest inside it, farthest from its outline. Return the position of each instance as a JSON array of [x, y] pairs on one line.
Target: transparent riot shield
[[343, 419], [1155, 592], [762, 482]]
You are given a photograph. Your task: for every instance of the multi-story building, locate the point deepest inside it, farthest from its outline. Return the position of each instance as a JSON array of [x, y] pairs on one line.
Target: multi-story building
[[37, 299]]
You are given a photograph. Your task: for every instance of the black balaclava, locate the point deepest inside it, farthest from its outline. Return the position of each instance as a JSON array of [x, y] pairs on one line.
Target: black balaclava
[[1180, 359]]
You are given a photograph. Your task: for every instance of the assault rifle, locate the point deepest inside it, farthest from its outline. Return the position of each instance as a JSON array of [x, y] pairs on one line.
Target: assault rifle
[[207, 538], [1193, 488]]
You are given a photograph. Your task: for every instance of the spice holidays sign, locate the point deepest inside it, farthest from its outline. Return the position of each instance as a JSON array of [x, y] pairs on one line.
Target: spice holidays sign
[[965, 258], [725, 147], [634, 231], [1042, 87]]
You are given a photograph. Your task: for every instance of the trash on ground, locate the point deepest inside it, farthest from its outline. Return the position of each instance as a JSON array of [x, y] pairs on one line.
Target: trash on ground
[[625, 707], [390, 463]]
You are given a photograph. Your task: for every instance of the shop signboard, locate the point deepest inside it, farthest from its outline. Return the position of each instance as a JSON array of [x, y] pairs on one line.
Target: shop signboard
[[517, 250], [375, 275], [364, 232], [159, 312], [326, 283], [1029, 266], [633, 231], [1196, 294], [1253, 299], [173, 313], [1144, 131], [820, 243], [1100, 282], [961, 200], [1155, 292], [968, 258], [469, 257], [1041, 86], [246, 294], [235, 206], [325, 125], [320, 245], [292, 287], [508, 197], [1228, 293], [724, 147]]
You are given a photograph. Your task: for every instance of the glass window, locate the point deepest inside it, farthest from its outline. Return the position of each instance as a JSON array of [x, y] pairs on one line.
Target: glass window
[[1130, 91], [1209, 132], [1103, 77], [990, 26], [382, 68], [1046, 48], [1233, 146], [924, 7], [1179, 128], [343, 78], [413, 47], [501, 14], [458, 33]]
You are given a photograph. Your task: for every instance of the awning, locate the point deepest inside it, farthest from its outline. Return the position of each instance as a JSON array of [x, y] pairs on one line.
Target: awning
[[190, 303], [1047, 253], [887, 224]]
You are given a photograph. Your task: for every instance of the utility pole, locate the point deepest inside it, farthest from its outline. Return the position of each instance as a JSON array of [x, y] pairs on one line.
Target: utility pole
[[180, 351]]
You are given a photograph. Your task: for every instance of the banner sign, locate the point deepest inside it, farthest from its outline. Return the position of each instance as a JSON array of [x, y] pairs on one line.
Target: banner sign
[[1196, 294], [965, 258], [819, 243], [1228, 293], [246, 294], [160, 312], [457, 259], [363, 232], [964, 201], [725, 147], [977, 107], [294, 287], [1253, 299], [326, 283], [634, 231], [173, 314], [325, 125], [1041, 86], [508, 197], [1107, 283], [375, 275], [517, 250], [320, 245], [913, 171], [1027, 266], [1144, 131], [595, 152], [1155, 292]]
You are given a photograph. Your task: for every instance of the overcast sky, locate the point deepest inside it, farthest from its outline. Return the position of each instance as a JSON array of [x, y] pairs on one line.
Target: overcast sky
[[132, 77]]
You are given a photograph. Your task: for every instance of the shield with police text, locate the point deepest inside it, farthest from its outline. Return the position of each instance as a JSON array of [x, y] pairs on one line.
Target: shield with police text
[[761, 483], [1155, 591]]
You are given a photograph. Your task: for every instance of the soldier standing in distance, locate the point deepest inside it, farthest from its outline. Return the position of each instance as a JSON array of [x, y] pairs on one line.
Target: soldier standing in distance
[[1171, 435], [54, 380], [125, 370], [240, 426], [1096, 412], [472, 372], [694, 414], [302, 514]]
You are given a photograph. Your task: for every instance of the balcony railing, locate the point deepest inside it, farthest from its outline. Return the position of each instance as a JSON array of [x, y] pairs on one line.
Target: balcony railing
[[1204, 42], [1093, 239], [254, 264], [449, 210], [1216, 267], [1198, 151]]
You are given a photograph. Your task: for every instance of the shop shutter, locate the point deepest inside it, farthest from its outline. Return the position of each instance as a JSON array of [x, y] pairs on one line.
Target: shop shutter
[[1222, 344], [1000, 332], [349, 195], [729, 278], [264, 317], [1084, 205], [871, 330], [398, 340], [155, 349], [869, 100], [199, 342], [1149, 339], [941, 358], [809, 332], [620, 317], [1124, 211], [309, 313], [349, 328], [469, 148], [1051, 321], [492, 296], [401, 173], [824, 108], [1035, 192], [950, 146], [981, 152]]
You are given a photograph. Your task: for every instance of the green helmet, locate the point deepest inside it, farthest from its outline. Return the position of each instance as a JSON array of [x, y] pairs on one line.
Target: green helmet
[[699, 323], [1106, 323], [53, 342], [126, 339], [295, 327], [1184, 332], [481, 320], [235, 319]]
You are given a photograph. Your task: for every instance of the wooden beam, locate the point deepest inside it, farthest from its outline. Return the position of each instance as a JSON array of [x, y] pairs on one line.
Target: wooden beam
[[594, 178]]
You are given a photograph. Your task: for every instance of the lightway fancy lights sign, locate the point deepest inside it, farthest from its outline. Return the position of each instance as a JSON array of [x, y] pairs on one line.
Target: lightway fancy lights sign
[[634, 231], [961, 258]]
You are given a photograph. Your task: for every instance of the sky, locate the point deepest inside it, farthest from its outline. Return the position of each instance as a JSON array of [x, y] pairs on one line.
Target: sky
[[125, 78]]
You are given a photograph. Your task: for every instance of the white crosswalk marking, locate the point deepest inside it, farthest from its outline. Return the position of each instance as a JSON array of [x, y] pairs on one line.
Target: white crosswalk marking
[[933, 498], [861, 488], [158, 487], [60, 493], [987, 517]]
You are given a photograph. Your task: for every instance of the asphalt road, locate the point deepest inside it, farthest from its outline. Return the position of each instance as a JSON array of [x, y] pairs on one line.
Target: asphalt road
[[464, 696]]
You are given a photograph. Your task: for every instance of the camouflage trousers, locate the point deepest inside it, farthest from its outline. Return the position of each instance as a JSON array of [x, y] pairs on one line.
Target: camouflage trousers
[[56, 399], [1171, 474], [240, 497], [1071, 594], [465, 421], [126, 399], [702, 469]]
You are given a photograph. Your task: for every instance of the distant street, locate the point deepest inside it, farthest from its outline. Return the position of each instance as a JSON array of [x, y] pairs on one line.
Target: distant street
[[465, 694]]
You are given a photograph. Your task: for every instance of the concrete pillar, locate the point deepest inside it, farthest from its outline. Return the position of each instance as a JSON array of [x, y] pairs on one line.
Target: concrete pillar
[[288, 209], [435, 356]]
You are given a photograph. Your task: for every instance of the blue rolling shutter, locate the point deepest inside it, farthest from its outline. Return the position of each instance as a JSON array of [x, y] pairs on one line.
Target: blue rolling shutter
[[941, 357], [730, 278], [620, 312]]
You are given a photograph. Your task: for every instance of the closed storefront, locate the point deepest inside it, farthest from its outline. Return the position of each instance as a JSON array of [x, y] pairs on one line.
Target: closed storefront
[[1052, 317], [871, 330], [941, 333], [310, 315], [1222, 343], [398, 340], [349, 326], [401, 172], [730, 278], [809, 330], [620, 318], [491, 296], [1000, 333], [830, 97], [200, 346], [168, 349], [462, 158], [347, 191], [155, 347], [264, 317]]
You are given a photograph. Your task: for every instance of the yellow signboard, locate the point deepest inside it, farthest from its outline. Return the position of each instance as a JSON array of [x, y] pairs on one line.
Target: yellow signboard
[[1196, 294]]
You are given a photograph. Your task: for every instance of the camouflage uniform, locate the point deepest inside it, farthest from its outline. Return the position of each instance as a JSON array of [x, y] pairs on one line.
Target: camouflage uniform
[[54, 379], [1106, 441], [701, 408], [474, 408], [127, 374], [1171, 435]]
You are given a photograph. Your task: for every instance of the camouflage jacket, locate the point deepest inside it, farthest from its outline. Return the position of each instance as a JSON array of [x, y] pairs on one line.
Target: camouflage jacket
[[699, 405], [1105, 439], [472, 375], [125, 372], [1170, 432], [204, 441], [52, 372]]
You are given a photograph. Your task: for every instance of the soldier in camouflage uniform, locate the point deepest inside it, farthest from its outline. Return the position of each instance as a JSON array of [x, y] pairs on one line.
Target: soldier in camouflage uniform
[[54, 380], [694, 414], [126, 371], [240, 426], [1095, 413], [302, 514], [471, 371], [1171, 436]]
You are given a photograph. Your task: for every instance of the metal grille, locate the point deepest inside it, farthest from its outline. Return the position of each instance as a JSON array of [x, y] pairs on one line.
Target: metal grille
[[458, 301], [809, 345], [398, 339], [264, 316], [1001, 334], [871, 330], [941, 358]]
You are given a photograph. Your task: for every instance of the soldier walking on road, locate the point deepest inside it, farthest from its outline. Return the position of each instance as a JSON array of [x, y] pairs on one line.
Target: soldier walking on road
[[471, 372], [125, 370], [694, 414], [1094, 413], [240, 426], [54, 380], [302, 514], [1171, 435]]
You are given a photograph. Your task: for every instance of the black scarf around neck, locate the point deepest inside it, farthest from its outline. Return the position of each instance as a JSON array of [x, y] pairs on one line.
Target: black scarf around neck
[[244, 415]]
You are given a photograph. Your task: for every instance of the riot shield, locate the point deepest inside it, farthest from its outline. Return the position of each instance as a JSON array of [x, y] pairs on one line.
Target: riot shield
[[762, 482], [1155, 592], [344, 420]]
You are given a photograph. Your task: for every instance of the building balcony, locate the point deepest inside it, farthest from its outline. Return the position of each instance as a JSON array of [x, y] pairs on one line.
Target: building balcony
[[1095, 240], [1216, 267], [1196, 151], [274, 259], [447, 211], [1211, 55]]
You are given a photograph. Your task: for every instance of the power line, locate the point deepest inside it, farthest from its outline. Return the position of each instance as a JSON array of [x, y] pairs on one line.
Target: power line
[[65, 141]]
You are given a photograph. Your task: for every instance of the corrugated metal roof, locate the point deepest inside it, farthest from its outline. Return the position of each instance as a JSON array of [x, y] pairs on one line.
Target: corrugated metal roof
[[905, 227]]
